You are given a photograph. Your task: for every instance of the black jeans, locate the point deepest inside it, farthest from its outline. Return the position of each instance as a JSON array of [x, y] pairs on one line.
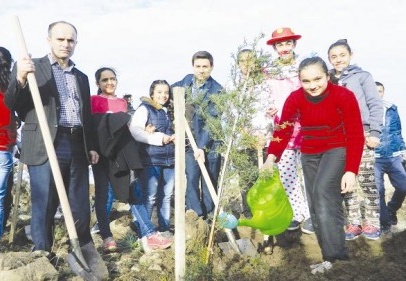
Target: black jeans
[[322, 175], [101, 184]]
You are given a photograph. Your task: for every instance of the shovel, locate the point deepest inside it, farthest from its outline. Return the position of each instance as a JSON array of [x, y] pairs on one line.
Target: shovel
[[230, 235], [75, 258]]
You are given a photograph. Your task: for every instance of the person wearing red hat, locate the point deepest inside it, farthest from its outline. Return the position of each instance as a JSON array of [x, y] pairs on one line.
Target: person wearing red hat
[[283, 79]]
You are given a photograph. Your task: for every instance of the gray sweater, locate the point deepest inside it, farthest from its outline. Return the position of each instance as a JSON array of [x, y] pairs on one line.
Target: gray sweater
[[362, 84]]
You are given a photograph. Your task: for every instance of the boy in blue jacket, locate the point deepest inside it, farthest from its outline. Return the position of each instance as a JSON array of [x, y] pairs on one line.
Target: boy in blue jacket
[[389, 157]]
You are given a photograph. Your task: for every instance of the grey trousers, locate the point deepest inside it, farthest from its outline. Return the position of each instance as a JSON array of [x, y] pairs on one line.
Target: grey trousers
[[322, 174]]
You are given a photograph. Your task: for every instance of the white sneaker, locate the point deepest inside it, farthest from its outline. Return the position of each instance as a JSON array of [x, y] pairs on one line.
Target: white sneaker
[[322, 267], [313, 266], [144, 245], [95, 229], [58, 214], [27, 229]]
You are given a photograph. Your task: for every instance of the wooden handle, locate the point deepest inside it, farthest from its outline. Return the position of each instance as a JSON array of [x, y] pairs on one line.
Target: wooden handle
[[180, 183], [200, 161]]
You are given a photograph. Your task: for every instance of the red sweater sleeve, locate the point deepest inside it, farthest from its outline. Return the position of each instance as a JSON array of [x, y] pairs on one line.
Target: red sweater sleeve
[[283, 131]]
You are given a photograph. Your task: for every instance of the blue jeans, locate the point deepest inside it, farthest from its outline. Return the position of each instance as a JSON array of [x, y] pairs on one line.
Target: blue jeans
[[397, 176], [142, 220], [322, 175], [74, 167], [157, 184], [6, 165], [203, 204], [110, 199]]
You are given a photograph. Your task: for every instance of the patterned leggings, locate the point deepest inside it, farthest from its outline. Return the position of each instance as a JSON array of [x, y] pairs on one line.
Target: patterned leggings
[[370, 195], [292, 180]]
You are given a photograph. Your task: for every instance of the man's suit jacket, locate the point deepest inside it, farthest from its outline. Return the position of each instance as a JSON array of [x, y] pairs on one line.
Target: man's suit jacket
[[19, 99]]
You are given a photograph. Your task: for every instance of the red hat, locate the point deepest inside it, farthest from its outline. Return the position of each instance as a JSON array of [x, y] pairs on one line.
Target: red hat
[[283, 34]]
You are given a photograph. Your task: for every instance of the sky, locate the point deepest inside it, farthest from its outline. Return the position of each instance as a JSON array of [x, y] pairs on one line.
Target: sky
[[145, 40]]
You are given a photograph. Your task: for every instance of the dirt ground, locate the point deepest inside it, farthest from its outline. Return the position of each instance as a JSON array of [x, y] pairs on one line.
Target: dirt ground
[[289, 259]]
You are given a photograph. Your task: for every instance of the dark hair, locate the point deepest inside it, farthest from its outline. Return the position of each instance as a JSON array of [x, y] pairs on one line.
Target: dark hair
[[52, 25], [202, 55], [312, 61], [341, 42], [5, 68], [379, 84], [127, 96], [160, 82], [169, 103], [98, 73]]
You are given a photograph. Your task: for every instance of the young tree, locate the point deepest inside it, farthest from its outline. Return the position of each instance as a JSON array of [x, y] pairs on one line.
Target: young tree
[[241, 125]]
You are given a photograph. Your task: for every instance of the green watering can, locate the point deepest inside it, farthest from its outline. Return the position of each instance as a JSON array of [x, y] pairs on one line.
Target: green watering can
[[269, 205]]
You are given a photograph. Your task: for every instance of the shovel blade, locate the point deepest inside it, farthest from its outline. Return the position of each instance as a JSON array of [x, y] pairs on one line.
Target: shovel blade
[[247, 247], [77, 253], [78, 268]]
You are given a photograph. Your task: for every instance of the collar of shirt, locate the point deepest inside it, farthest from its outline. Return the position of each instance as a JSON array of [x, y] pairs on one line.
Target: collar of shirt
[[53, 61]]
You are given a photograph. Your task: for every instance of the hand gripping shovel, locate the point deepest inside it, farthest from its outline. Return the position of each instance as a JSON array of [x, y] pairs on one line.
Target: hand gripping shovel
[[75, 258]]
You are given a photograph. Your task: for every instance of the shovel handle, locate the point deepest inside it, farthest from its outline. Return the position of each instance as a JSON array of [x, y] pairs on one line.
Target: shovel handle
[[203, 169]]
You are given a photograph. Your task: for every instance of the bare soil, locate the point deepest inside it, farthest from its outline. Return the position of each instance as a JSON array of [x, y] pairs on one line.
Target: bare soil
[[289, 259]]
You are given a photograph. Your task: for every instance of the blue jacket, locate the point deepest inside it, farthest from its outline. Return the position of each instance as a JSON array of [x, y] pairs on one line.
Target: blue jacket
[[197, 123], [392, 143], [158, 155]]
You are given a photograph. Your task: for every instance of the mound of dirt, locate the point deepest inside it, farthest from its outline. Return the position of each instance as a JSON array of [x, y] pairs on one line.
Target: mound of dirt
[[288, 258]]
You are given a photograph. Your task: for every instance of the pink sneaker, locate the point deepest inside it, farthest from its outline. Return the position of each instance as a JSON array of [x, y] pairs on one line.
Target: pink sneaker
[[371, 232], [155, 241], [352, 232], [109, 245]]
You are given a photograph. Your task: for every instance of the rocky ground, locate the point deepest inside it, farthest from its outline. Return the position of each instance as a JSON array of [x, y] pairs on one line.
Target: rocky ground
[[288, 259]]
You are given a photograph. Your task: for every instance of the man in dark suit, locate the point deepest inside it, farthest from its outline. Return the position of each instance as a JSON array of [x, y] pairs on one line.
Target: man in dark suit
[[65, 95]]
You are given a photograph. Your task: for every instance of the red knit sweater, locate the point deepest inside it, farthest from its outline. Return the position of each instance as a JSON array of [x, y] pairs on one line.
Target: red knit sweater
[[100, 104], [329, 121], [7, 127]]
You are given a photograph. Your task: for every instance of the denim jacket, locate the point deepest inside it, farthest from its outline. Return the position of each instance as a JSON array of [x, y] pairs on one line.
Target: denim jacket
[[210, 87], [392, 143]]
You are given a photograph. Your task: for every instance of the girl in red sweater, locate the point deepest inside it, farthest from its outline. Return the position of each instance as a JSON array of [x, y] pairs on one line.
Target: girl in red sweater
[[105, 101], [331, 149]]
